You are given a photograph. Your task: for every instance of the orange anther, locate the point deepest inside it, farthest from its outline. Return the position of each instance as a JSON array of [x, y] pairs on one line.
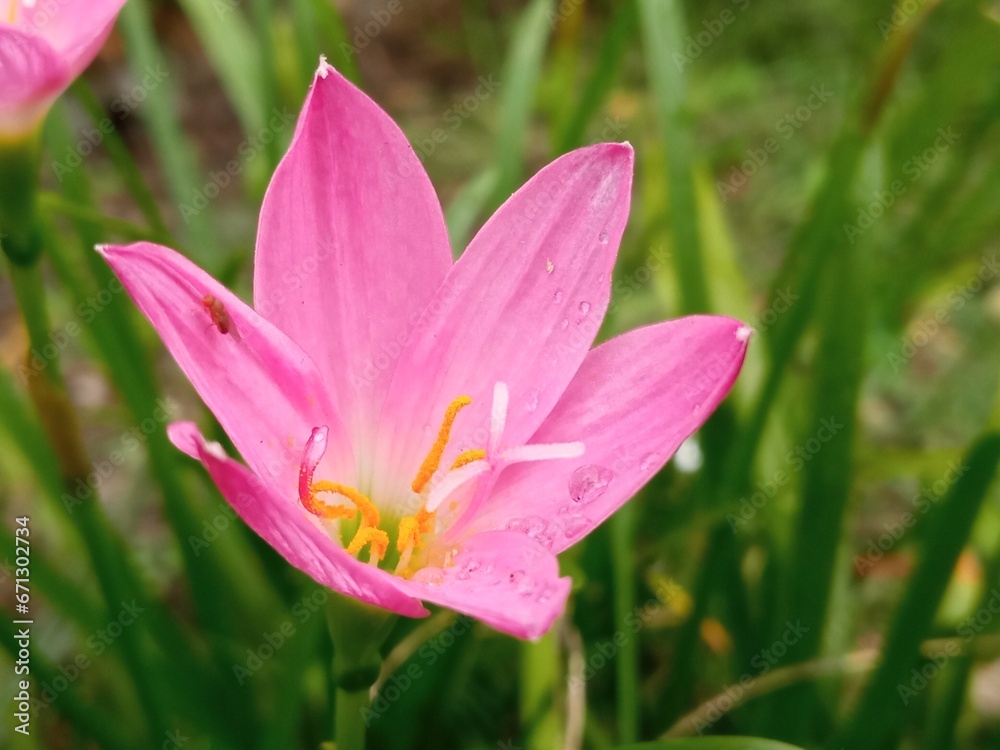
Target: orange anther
[[433, 460]]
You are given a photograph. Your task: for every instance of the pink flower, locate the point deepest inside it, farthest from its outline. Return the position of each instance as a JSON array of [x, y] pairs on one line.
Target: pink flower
[[44, 45], [417, 429]]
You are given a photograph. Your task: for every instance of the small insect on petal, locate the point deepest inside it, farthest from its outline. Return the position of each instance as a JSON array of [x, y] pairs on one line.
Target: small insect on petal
[[220, 316]]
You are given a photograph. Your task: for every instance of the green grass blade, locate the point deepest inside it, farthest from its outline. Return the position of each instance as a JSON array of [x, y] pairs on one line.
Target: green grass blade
[[176, 155], [712, 743], [663, 30], [519, 82], [948, 528], [627, 658], [839, 369], [236, 57]]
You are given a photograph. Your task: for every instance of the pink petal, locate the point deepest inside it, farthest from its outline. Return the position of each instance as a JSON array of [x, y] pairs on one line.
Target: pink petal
[[352, 245], [75, 29], [522, 306], [634, 401], [31, 76], [503, 579], [285, 526], [265, 392]]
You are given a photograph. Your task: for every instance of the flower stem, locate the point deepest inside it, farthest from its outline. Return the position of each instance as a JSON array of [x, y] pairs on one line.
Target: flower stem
[[358, 631], [349, 729]]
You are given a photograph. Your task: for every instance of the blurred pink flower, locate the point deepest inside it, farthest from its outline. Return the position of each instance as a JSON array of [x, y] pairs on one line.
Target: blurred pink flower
[[418, 429], [44, 45]]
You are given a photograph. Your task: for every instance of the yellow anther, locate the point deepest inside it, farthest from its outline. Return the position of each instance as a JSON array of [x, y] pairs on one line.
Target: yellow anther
[[467, 457], [369, 513], [409, 534], [13, 11], [324, 510], [433, 460], [378, 539]]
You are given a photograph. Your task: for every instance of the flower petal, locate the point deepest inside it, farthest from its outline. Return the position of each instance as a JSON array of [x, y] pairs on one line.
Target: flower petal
[[352, 245], [634, 400], [31, 76], [75, 30], [280, 522], [521, 306], [265, 392], [501, 578]]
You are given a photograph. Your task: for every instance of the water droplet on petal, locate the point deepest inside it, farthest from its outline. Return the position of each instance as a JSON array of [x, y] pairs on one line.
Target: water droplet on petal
[[523, 583], [467, 568], [588, 483], [429, 576], [575, 525], [536, 528], [584, 308], [549, 266], [603, 238], [531, 400], [648, 461], [564, 324], [557, 297]]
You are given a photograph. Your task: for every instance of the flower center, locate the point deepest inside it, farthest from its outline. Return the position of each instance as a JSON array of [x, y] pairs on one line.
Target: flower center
[[359, 519]]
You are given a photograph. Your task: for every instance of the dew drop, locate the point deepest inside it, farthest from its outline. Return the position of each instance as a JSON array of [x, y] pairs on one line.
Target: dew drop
[[467, 568], [531, 400], [564, 324], [523, 583], [574, 525], [430, 576], [549, 266], [603, 238], [584, 308], [648, 461], [557, 297], [588, 483]]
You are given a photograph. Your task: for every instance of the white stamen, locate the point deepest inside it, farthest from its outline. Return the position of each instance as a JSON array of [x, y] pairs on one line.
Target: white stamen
[[543, 452], [453, 480], [498, 416]]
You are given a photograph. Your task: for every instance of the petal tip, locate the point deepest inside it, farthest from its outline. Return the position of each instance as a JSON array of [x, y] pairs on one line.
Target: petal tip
[[744, 332], [325, 68]]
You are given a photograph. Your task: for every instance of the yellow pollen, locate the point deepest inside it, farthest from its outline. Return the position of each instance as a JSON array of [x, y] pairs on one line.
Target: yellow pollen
[[467, 457], [433, 460], [411, 527], [378, 539], [324, 510], [13, 11], [369, 513]]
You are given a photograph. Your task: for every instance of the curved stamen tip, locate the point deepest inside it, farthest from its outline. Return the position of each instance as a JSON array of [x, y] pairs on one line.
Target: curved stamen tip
[[311, 456]]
